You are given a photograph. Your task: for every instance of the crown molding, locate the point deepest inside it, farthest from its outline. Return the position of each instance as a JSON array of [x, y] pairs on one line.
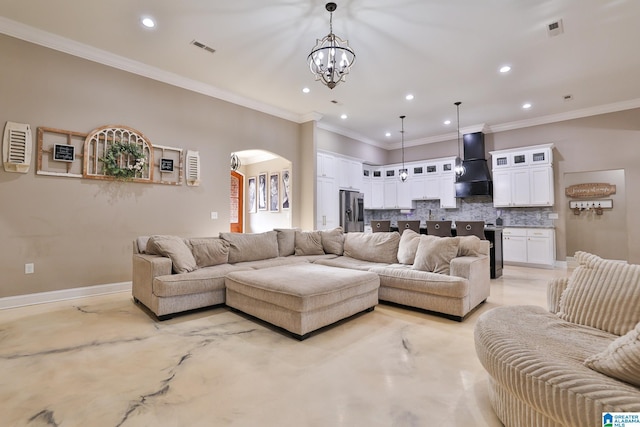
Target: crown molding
[[81, 50]]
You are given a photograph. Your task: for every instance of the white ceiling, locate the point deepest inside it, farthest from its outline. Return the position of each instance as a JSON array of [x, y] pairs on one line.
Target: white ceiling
[[440, 51]]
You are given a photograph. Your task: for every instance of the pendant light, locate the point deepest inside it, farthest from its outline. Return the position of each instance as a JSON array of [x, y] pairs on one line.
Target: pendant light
[[403, 172], [331, 58], [459, 166]]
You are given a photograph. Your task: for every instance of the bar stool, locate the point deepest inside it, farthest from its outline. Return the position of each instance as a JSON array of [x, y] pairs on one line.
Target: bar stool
[[439, 228], [380, 226], [409, 225], [470, 228]]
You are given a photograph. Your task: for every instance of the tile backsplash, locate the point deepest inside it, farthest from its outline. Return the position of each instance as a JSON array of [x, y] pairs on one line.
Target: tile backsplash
[[471, 208]]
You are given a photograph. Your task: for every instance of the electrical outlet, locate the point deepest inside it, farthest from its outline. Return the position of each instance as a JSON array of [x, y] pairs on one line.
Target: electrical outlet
[[538, 215], [214, 215], [29, 268], [553, 215]]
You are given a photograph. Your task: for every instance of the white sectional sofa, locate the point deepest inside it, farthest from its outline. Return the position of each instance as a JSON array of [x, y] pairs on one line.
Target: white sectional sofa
[[443, 275]]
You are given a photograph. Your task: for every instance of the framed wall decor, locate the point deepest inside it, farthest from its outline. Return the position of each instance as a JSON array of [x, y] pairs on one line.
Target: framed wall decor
[[166, 165], [262, 191], [274, 192], [286, 189], [252, 193], [64, 153]]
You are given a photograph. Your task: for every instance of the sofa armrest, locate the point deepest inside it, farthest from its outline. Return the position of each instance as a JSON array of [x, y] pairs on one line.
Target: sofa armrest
[[555, 288], [469, 266], [145, 269]]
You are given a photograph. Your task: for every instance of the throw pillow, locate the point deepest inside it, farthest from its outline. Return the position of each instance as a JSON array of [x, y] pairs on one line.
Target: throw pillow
[[333, 241], [286, 241], [141, 243], [435, 253], [602, 294], [408, 247], [309, 243], [621, 359], [251, 246], [209, 251], [175, 248], [372, 247], [469, 246]]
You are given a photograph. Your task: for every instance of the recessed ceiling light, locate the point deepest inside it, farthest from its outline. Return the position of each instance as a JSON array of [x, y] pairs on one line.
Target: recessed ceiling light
[[526, 105], [505, 69], [447, 122], [306, 90], [148, 22], [343, 117], [409, 97], [388, 134]]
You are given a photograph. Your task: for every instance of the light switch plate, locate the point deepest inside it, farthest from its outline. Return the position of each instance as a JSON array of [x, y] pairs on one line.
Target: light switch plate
[[214, 215]]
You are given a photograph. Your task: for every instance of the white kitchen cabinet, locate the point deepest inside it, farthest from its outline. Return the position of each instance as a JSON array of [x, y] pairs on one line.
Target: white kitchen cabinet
[[529, 246], [349, 174], [514, 245], [448, 191], [377, 194], [327, 215], [326, 165], [523, 177], [397, 194]]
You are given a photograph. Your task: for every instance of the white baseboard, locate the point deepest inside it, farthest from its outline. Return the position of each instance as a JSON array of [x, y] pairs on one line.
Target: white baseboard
[[64, 294]]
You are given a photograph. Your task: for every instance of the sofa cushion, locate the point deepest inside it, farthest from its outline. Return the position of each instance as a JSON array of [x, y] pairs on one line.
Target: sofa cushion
[[435, 253], [309, 243], [333, 241], [603, 294], [350, 263], [209, 251], [286, 241], [202, 280], [621, 359], [373, 247], [469, 246], [251, 246], [175, 248], [408, 246]]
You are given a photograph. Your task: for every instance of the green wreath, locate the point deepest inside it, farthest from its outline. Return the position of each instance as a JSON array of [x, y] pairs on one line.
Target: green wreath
[[118, 162]]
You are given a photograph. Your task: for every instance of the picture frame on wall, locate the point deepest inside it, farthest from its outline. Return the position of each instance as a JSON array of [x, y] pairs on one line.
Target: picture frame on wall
[[274, 192], [286, 189], [262, 191], [252, 193]]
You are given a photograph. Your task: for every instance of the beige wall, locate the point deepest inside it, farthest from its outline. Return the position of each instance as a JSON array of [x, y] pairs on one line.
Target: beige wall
[[350, 147], [78, 232]]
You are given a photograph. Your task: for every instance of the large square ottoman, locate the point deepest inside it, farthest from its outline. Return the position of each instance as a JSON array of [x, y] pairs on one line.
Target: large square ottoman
[[302, 297]]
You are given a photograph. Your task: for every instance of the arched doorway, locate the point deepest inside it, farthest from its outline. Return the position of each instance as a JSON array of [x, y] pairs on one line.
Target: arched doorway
[[256, 208]]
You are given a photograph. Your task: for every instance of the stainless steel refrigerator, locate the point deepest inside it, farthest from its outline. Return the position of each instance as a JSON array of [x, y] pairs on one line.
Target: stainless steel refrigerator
[[351, 211]]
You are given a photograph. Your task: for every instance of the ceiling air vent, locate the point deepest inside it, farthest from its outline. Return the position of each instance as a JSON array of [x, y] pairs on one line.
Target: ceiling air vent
[[555, 28], [196, 43], [193, 168], [16, 147]]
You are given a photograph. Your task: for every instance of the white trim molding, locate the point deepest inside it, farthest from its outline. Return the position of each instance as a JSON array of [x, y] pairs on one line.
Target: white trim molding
[[63, 295]]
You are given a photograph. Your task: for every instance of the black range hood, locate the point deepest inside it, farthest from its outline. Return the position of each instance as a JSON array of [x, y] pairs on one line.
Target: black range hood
[[476, 180]]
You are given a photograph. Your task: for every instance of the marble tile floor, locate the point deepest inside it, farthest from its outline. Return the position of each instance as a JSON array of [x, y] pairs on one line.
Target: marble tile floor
[[102, 361]]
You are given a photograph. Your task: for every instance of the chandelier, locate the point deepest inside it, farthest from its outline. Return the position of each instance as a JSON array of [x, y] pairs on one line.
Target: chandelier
[[331, 58], [459, 166], [403, 172]]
